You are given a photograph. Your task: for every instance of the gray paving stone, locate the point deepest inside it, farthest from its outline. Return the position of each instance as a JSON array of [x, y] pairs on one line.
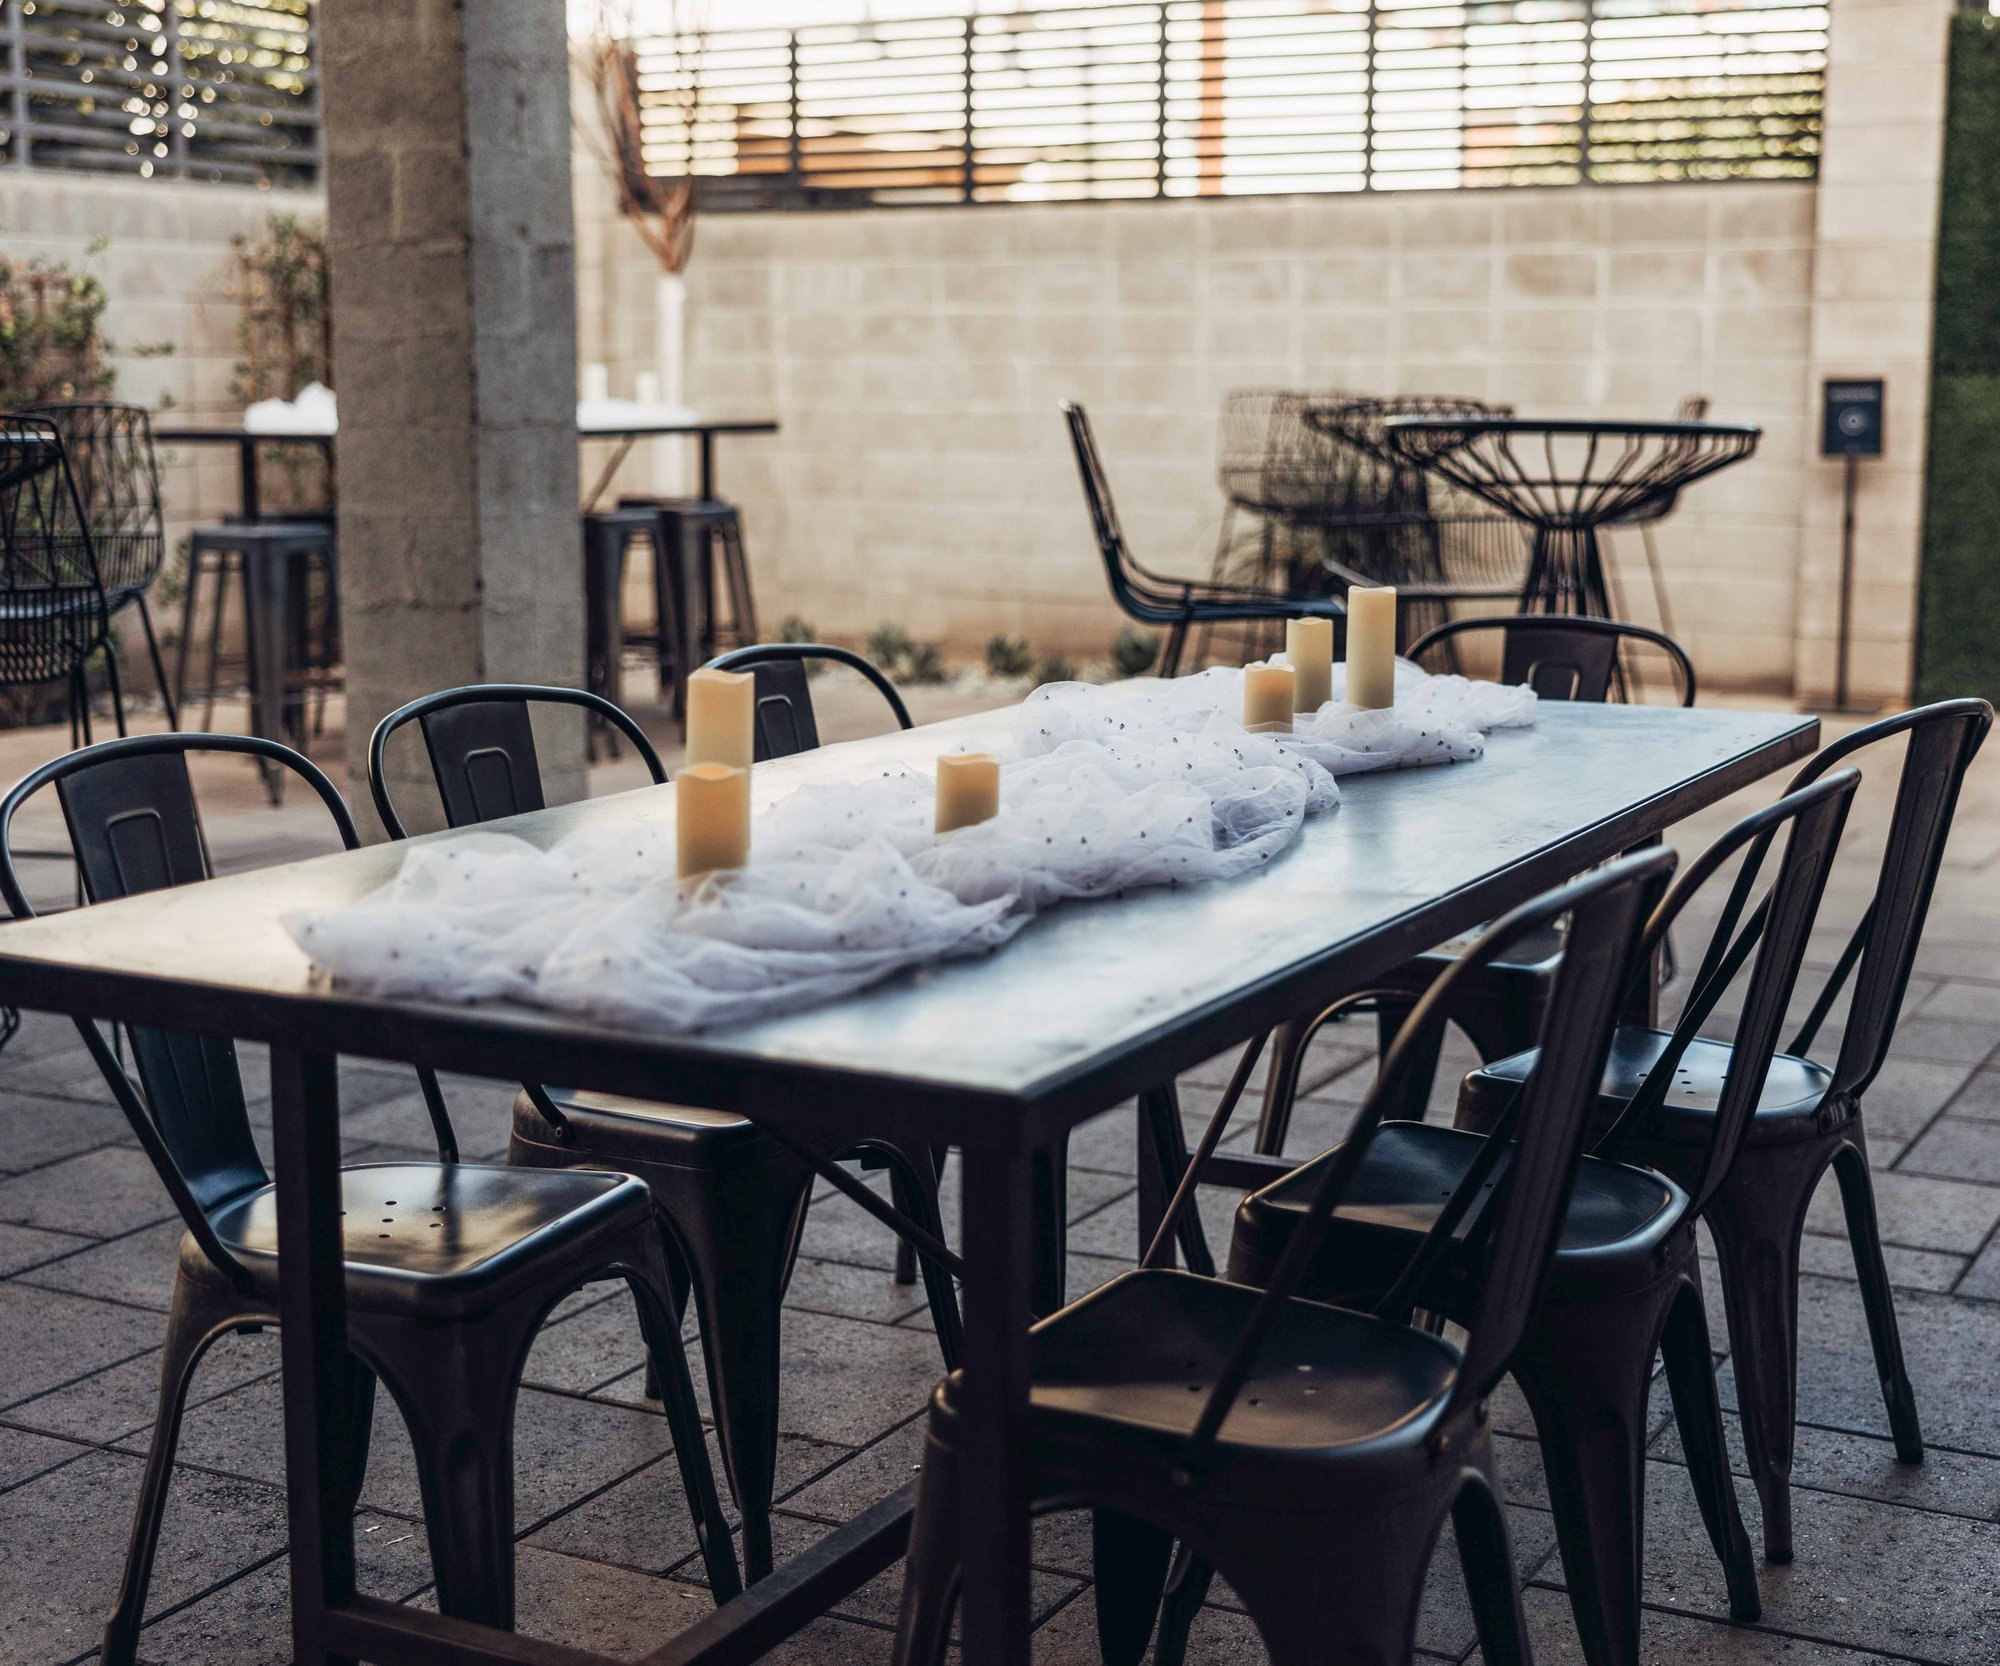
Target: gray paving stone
[[1221, 1637], [1916, 1210], [1862, 1466], [41, 1130], [65, 1539], [1908, 1269], [835, 1287], [1905, 1582], [1950, 1346], [70, 1073], [1668, 1639], [100, 1194], [137, 1269], [1902, 1100], [1956, 1003], [642, 1522], [862, 1478], [1982, 1278], [247, 1622], [1959, 1148], [53, 1339], [590, 1341], [24, 1455], [564, 1448], [118, 1403], [1979, 1099], [27, 1246]]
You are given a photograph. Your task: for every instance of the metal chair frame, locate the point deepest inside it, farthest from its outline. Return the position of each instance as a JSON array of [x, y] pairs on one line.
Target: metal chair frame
[[729, 1195], [448, 1337], [1265, 1425], [1176, 604]]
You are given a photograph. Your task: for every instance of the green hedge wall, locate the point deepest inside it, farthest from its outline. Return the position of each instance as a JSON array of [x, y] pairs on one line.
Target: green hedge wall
[[1958, 631]]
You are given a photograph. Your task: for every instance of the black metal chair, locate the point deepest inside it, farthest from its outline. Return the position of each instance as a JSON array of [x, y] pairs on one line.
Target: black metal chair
[[117, 475], [786, 723], [1627, 1279], [1810, 1116], [1310, 1454], [450, 1267], [730, 1196], [1499, 1008], [1177, 604], [53, 611]]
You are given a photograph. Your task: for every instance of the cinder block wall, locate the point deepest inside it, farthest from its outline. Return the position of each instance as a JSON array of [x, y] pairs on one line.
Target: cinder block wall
[[915, 358], [163, 252]]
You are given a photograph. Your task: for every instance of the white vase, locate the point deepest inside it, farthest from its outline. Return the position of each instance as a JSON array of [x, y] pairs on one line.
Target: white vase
[[669, 460]]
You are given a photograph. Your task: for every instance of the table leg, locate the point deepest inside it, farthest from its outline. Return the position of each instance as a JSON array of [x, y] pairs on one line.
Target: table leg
[[266, 590], [248, 499], [312, 1308], [691, 558], [707, 466], [998, 1191]]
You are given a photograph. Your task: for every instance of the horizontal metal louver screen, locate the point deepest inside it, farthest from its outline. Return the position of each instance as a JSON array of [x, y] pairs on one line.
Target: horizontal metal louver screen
[[220, 90]]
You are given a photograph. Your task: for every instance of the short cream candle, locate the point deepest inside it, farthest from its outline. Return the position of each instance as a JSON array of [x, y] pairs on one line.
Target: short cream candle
[[968, 789], [1267, 697], [711, 819], [1309, 649], [721, 712], [1371, 646]]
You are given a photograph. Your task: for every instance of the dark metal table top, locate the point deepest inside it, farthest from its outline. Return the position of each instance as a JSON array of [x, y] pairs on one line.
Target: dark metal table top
[[223, 433], [1092, 1003]]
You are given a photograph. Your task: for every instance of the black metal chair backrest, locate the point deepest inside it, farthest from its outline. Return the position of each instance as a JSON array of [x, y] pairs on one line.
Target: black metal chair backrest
[[1145, 596], [52, 607], [786, 723], [134, 826], [117, 478], [1562, 657], [1944, 738], [1778, 929], [1540, 1137], [481, 742]]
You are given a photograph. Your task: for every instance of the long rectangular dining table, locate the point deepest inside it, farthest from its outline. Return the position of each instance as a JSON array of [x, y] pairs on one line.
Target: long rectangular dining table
[[1001, 1056]]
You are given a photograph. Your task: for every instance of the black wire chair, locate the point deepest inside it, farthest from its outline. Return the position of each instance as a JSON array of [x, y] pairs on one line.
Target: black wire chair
[[1809, 1118], [117, 477], [450, 1267], [1385, 521], [729, 1196], [1646, 516], [1310, 1454], [53, 611], [1176, 604], [1627, 1279]]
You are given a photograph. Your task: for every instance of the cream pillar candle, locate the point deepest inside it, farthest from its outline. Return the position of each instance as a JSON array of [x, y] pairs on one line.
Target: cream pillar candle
[[596, 380], [1267, 697], [1371, 646], [1309, 648], [711, 819], [721, 712], [968, 789]]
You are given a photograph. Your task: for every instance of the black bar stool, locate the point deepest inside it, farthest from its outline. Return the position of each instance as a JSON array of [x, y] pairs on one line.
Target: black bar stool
[[608, 535], [700, 542]]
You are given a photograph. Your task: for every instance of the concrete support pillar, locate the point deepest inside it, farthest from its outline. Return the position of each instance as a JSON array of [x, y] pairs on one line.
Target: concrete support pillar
[[451, 247], [1874, 276]]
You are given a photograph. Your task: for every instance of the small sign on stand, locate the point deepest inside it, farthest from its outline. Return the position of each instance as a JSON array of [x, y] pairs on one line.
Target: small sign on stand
[[1850, 429]]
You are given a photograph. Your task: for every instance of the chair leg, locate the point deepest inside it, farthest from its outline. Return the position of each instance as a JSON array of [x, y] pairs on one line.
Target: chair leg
[[196, 1318], [456, 1390], [1187, 1589], [1330, 1590], [1129, 1559], [1416, 1097], [1281, 1086], [1170, 657], [913, 1186], [112, 678], [167, 698], [1486, 1556], [1864, 1236], [654, 1300], [1698, 1415], [1163, 1155], [1051, 1228], [930, 1567], [1756, 1220], [188, 614], [1585, 1371]]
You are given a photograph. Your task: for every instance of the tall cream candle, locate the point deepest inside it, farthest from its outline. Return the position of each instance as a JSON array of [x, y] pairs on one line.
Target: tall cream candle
[[968, 789], [721, 709], [1309, 648], [1371, 646], [711, 819], [1267, 697]]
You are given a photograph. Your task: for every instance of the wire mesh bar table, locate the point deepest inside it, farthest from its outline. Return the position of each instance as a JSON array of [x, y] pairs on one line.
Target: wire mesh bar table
[[1000, 1055], [1565, 480]]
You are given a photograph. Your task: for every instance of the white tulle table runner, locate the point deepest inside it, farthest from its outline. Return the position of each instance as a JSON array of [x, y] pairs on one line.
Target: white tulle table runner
[[1107, 790]]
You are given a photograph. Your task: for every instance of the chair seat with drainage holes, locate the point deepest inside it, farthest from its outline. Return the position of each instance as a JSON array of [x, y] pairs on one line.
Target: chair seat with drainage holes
[[1617, 1218], [1786, 1110], [437, 1239], [1132, 1363]]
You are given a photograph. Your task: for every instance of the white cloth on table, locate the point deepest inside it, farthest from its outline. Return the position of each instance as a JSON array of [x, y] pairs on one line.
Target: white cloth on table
[[315, 412], [1108, 790]]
